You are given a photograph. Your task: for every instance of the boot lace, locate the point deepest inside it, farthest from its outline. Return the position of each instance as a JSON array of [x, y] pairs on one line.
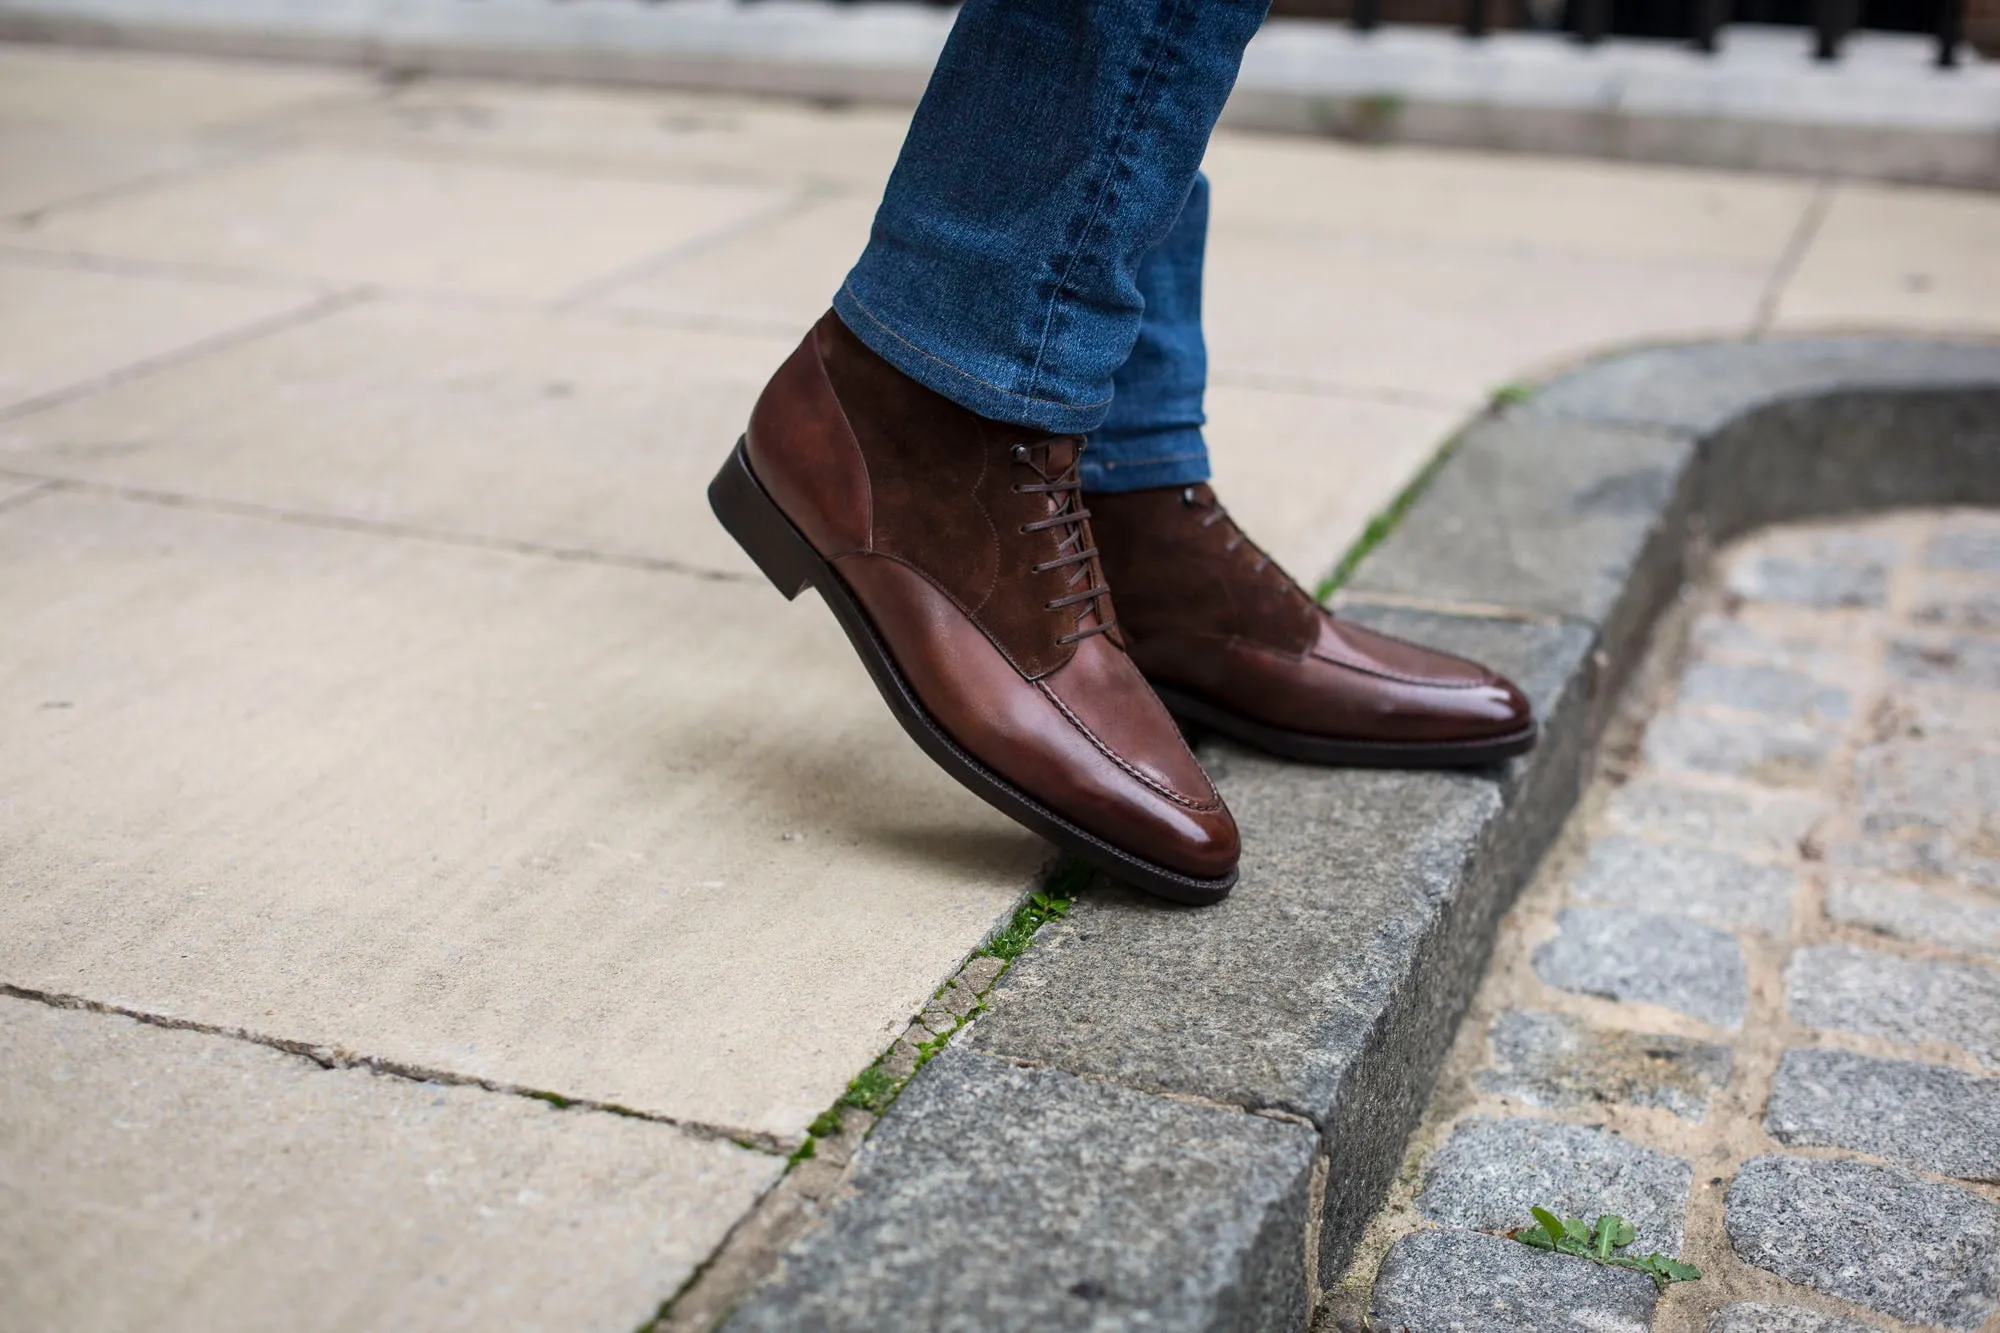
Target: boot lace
[[1067, 488], [1239, 539]]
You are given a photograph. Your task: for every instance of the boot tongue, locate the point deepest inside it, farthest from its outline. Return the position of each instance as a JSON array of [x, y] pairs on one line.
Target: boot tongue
[[1060, 452]]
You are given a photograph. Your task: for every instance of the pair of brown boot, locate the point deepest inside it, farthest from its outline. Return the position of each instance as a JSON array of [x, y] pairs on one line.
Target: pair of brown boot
[[959, 557]]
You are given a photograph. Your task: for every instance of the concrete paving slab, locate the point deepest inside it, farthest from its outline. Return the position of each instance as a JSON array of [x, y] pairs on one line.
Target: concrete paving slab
[[631, 129], [45, 166], [624, 836], [1503, 204], [174, 1181], [70, 86], [439, 225], [1389, 314], [781, 277], [574, 432], [1359, 452], [63, 327], [1895, 258]]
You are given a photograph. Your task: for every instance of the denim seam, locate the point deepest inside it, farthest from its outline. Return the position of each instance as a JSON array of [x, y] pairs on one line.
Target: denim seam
[[876, 320], [1117, 158]]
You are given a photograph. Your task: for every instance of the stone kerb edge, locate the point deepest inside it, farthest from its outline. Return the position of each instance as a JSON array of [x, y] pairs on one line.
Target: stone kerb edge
[[1663, 448]]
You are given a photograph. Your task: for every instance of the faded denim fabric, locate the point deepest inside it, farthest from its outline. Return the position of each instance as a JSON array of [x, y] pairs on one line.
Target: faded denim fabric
[[1037, 254]]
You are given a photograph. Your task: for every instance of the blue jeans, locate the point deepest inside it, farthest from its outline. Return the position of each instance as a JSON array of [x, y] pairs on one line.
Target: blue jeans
[[1037, 255]]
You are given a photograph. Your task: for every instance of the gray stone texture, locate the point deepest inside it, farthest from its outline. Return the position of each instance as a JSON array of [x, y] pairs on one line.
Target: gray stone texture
[[1958, 602], [1842, 988], [1328, 985], [995, 1197], [1879, 1236], [1974, 550], [1714, 887], [1771, 753], [1553, 1061], [1466, 1282], [1700, 388], [1757, 823], [1649, 957], [1816, 583], [1908, 912], [1760, 1317], [1968, 663], [1758, 634], [1921, 1115], [1928, 808], [1566, 519], [1491, 1172], [1763, 689]]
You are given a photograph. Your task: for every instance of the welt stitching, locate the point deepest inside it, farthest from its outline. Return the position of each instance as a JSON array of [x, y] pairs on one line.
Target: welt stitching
[[876, 320], [1168, 792]]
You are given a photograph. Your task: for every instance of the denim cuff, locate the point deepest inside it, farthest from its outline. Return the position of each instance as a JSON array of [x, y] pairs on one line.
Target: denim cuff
[[1175, 457], [968, 390]]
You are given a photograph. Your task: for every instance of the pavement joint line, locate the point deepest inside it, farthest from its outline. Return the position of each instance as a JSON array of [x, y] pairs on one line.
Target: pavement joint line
[[1804, 232], [797, 204], [375, 528], [185, 270], [33, 493], [283, 321], [228, 151], [327, 1057]]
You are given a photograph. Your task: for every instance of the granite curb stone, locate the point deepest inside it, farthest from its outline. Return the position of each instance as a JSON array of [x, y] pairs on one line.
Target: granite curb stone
[[1922, 1251], [1930, 1117], [1328, 986], [1110, 1208], [1458, 1281], [1490, 1173]]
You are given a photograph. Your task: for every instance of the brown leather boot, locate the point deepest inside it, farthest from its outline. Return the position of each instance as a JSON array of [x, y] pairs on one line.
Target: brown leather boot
[[957, 555], [1233, 644]]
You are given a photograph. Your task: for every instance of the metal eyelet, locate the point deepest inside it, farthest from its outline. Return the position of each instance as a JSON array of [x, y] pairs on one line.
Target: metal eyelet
[[1020, 453]]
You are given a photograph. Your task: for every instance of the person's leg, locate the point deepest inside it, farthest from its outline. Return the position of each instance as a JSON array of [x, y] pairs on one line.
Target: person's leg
[[1054, 150], [1152, 436], [916, 460]]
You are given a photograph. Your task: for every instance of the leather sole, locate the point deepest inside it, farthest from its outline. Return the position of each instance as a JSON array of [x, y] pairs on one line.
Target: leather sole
[[1193, 710], [787, 559]]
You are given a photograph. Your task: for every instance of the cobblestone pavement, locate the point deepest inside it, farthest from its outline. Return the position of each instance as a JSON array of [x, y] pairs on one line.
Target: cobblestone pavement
[[1751, 1002]]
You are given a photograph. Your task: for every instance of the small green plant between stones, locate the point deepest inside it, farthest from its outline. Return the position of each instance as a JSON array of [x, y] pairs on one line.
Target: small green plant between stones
[[1572, 1236], [1043, 906], [1510, 394]]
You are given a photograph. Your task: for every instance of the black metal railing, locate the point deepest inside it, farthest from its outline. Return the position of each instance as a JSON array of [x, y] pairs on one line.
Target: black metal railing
[[1701, 21]]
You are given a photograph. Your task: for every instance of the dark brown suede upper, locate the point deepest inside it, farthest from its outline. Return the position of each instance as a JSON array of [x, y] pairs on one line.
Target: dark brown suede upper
[[965, 542], [1203, 609]]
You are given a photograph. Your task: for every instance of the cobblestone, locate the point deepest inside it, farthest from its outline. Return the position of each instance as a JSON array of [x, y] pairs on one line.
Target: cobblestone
[[1875, 1235], [1773, 754], [1714, 887], [1852, 582], [1490, 1173], [1922, 1115], [1909, 912], [1552, 1061], [1649, 957], [1792, 695], [1843, 988], [1827, 763], [1753, 822], [1972, 548], [1460, 1281], [1759, 1317]]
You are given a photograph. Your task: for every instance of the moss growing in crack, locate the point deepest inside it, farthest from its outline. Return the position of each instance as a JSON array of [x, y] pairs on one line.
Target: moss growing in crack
[[555, 1099], [1511, 394], [870, 1090], [1386, 522], [1052, 902], [809, 1148]]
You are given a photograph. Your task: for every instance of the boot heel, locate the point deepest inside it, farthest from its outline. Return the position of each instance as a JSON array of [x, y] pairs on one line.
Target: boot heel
[[761, 528]]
